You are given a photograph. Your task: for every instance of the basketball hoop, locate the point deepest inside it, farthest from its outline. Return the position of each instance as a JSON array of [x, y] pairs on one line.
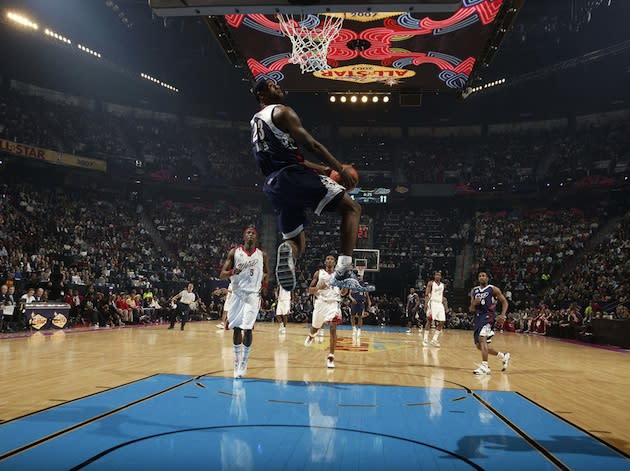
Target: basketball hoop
[[310, 37]]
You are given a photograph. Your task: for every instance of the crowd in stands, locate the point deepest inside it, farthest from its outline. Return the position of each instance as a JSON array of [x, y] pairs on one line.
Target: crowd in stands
[[174, 148]]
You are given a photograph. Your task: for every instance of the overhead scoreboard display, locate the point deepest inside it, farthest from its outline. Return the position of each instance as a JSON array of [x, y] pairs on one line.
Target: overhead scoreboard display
[[366, 196], [436, 45]]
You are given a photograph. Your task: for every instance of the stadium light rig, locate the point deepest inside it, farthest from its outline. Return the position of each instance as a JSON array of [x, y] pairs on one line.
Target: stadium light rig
[[359, 97], [57, 36], [87, 50], [22, 20], [159, 82], [469, 91]]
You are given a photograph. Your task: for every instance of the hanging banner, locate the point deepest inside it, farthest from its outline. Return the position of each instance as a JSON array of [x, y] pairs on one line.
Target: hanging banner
[[52, 157]]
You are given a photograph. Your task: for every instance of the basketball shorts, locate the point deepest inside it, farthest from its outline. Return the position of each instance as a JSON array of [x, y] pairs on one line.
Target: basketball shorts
[[283, 308], [243, 310], [357, 309], [483, 331], [296, 188], [325, 311], [437, 311], [228, 301]]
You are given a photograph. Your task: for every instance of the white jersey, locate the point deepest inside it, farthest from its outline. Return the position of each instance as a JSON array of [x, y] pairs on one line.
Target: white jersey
[[437, 292], [250, 278], [329, 294], [284, 296]]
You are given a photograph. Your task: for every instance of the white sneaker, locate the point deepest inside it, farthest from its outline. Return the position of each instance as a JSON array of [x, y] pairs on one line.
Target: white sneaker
[[309, 340], [285, 267], [242, 369], [283, 330], [220, 325], [425, 343], [482, 370], [330, 361], [506, 361], [348, 280], [435, 343], [408, 331]]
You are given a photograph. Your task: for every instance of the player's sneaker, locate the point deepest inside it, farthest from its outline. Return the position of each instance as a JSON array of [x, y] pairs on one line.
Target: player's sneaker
[[506, 361], [220, 325], [425, 343], [408, 331], [330, 361], [349, 280], [309, 340], [282, 330], [482, 370], [285, 267], [435, 343]]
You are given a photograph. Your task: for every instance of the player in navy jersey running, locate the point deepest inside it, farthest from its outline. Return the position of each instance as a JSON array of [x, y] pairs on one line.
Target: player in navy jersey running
[[293, 185], [359, 307], [483, 303]]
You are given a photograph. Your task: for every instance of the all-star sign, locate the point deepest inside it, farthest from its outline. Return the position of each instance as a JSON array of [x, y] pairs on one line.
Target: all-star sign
[[365, 16], [365, 73]]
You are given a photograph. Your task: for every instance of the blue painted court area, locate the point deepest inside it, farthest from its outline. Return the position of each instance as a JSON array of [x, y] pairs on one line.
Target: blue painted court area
[[169, 421]]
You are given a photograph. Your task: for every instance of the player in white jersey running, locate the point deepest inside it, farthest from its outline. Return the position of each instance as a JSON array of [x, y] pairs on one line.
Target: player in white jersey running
[[326, 308], [246, 267], [283, 307], [434, 307], [294, 184]]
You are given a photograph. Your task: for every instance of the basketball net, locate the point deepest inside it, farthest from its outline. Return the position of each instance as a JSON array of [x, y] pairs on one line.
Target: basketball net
[[309, 39]]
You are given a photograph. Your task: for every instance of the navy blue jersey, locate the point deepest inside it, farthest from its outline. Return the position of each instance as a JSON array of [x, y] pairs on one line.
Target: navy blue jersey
[[273, 148], [487, 308], [359, 297], [413, 301]]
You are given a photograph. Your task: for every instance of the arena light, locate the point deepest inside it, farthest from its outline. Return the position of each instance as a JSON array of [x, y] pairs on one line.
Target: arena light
[[333, 98], [159, 82], [22, 20], [343, 99], [87, 50], [364, 99], [57, 36], [375, 99], [385, 99], [353, 99]]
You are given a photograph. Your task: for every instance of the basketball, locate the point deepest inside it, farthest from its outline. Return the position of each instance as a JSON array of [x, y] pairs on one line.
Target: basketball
[[337, 177]]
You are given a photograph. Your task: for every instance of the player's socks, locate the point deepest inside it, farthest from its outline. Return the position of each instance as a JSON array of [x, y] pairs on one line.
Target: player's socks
[[237, 361]]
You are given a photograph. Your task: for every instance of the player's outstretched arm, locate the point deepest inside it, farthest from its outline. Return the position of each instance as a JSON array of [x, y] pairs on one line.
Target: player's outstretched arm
[[312, 289], [228, 267], [287, 119], [504, 302]]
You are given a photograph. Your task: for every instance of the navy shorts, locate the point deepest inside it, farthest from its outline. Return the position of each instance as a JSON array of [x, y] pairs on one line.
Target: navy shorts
[[295, 189], [357, 309], [483, 328]]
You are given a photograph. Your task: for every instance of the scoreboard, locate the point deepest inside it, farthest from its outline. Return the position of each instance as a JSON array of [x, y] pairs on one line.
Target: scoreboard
[[373, 196]]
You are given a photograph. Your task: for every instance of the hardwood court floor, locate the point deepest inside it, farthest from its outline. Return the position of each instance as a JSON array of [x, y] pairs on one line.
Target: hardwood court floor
[[587, 386]]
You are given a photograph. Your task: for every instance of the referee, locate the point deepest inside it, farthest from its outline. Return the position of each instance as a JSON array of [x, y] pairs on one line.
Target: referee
[[184, 299]]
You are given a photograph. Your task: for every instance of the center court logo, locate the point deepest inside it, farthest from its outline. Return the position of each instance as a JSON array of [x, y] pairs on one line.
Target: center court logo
[[365, 344]]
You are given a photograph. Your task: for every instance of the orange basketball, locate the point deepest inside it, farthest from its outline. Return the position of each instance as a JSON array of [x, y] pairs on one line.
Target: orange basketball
[[335, 175]]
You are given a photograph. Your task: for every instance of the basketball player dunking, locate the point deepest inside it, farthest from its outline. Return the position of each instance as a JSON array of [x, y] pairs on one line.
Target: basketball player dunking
[[326, 308], [483, 303], [246, 267], [293, 184], [434, 302]]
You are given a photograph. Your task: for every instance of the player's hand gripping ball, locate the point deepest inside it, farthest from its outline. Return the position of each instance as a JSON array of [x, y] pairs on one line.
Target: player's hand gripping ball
[[349, 177]]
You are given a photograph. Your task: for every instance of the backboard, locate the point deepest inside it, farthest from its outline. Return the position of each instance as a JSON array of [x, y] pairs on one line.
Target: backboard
[[431, 45]]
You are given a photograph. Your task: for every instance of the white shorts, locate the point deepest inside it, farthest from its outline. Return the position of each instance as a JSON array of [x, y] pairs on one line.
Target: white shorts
[[283, 308], [229, 297], [325, 311], [243, 310], [437, 311]]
